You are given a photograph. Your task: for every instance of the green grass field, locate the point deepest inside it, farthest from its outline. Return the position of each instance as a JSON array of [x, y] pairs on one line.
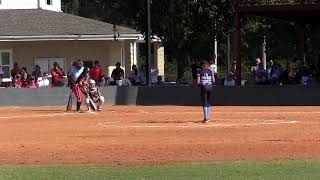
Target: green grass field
[[273, 170]]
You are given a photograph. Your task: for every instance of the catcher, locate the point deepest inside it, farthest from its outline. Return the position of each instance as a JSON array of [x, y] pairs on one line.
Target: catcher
[[94, 97]]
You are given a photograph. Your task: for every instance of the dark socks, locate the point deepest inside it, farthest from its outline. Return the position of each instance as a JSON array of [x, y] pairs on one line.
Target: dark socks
[[78, 106]]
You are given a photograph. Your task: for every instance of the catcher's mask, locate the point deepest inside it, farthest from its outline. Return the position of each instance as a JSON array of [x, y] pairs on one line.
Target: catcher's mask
[[92, 83]]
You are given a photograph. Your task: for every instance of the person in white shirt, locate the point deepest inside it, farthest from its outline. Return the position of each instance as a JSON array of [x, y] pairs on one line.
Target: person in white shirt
[[44, 81]]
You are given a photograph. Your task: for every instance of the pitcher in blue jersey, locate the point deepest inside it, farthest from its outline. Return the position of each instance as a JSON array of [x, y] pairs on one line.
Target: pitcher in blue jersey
[[206, 81]]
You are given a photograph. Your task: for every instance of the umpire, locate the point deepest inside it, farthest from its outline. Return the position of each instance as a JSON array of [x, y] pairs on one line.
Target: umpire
[[205, 82]]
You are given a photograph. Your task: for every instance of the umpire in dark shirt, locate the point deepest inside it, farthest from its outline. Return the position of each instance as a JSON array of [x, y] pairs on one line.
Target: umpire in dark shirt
[[117, 73]]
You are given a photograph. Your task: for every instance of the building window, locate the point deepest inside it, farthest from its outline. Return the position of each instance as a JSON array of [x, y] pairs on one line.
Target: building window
[[49, 2], [5, 63]]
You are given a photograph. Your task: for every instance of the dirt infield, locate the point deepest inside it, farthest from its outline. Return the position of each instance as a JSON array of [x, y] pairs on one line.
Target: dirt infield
[[153, 135]]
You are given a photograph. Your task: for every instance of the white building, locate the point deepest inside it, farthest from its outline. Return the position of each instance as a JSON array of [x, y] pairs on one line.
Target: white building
[[37, 32], [53, 5]]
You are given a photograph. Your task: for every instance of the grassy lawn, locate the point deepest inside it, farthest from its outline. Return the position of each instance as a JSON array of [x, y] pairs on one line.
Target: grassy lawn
[[273, 170]]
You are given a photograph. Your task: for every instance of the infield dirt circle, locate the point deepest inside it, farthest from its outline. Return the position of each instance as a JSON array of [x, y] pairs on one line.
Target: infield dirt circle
[[155, 135]]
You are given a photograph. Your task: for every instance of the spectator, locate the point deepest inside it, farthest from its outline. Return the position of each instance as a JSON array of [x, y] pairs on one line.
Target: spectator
[[37, 72], [260, 73], [229, 81], [275, 74], [154, 74], [57, 74], [16, 70], [33, 83], [124, 82], [160, 81], [17, 82], [306, 77], [24, 77], [96, 73], [292, 77], [117, 74], [103, 80], [134, 76], [143, 76], [44, 81], [269, 68]]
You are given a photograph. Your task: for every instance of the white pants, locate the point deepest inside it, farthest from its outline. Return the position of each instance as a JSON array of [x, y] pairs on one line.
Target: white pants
[[98, 104]]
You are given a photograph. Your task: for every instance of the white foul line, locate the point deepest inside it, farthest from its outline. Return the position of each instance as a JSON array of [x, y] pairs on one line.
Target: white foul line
[[198, 125], [44, 115], [229, 112]]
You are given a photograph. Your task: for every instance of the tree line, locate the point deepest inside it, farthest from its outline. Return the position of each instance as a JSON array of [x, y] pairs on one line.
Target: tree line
[[188, 28]]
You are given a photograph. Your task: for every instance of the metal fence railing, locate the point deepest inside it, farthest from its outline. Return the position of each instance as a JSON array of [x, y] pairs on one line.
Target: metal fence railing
[[274, 2]]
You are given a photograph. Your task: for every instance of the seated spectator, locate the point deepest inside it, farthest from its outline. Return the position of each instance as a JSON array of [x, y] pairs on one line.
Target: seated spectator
[[24, 77], [275, 75], [117, 74], [305, 74], [103, 80], [57, 74], [154, 74], [160, 81], [37, 72], [134, 76], [17, 82], [33, 83], [292, 77], [44, 81], [229, 81], [124, 82], [96, 73], [16, 70]]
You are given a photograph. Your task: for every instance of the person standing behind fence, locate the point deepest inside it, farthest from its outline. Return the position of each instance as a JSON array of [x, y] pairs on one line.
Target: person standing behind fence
[[205, 81], [96, 73], [57, 74], [117, 74], [37, 72]]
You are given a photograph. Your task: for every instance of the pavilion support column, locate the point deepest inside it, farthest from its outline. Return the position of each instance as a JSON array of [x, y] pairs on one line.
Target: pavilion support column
[[238, 48], [159, 58], [130, 56]]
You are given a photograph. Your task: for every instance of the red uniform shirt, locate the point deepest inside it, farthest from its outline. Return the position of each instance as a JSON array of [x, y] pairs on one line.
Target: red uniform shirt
[[56, 76], [33, 85], [96, 73]]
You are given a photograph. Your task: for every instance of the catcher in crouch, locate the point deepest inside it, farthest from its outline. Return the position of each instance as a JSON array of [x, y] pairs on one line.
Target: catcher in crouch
[[94, 96]]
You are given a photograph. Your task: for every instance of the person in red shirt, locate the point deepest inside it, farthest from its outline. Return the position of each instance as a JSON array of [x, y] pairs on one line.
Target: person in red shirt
[[57, 74], [24, 77], [17, 82], [96, 73], [33, 83]]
